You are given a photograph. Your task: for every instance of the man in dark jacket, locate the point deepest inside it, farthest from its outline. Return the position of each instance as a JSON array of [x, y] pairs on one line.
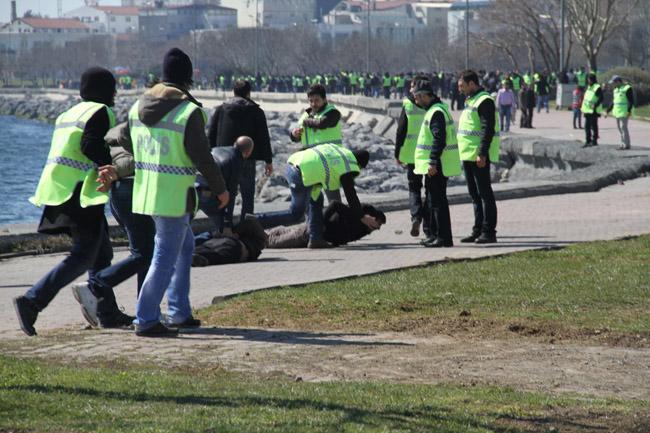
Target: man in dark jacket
[[237, 117], [340, 226], [527, 105], [231, 161]]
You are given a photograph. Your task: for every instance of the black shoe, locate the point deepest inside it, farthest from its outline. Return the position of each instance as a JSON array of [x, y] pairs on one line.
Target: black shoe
[[587, 145], [27, 315], [117, 320], [427, 240], [415, 227], [157, 330], [469, 239], [486, 239], [191, 322], [439, 243], [319, 244]]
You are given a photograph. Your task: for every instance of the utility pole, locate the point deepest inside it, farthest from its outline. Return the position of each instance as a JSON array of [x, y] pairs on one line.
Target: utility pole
[[257, 36], [562, 20], [466, 34], [368, 39], [59, 8]]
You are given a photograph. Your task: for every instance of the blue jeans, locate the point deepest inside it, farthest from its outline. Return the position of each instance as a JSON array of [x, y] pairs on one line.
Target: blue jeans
[[542, 101], [140, 230], [504, 114], [300, 201], [169, 272], [91, 251]]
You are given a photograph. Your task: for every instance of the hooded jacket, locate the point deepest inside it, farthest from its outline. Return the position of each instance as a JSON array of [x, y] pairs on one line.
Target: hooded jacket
[[154, 105]]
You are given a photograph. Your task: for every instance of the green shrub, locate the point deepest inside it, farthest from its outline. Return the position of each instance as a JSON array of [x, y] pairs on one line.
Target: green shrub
[[639, 79]]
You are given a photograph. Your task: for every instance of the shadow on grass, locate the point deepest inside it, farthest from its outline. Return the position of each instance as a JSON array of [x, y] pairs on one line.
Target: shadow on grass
[[285, 337], [422, 416]]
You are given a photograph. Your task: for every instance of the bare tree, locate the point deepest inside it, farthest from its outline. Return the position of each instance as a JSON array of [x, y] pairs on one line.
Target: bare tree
[[593, 22]]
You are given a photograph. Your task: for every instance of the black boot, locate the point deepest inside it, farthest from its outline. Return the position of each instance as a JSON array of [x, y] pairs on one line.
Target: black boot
[[27, 314]]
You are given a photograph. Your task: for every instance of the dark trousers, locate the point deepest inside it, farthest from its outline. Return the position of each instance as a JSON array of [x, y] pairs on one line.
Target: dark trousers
[[140, 229], [479, 186], [246, 188], [526, 120], [438, 206], [591, 128], [577, 118], [417, 207], [92, 252]]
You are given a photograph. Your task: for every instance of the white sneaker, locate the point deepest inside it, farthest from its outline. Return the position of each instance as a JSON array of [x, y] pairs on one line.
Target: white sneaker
[[88, 302]]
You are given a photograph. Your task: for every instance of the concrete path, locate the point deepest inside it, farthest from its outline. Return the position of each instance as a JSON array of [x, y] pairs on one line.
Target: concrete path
[[538, 222]]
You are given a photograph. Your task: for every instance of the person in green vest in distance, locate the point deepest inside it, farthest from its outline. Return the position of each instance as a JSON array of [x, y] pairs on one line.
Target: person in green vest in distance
[[581, 77], [386, 84], [166, 135], [74, 195], [320, 123], [592, 106], [478, 144], [437, 159], [326, 166], [621, 108], [408, 129]]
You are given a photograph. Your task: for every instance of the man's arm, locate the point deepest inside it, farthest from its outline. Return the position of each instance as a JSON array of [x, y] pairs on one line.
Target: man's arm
[[330, 120], [400, 136], [262, 139], [438, 128], [214, 127], [630, 100], [93, 144], [486, 113], [196, 145], [347, 183]]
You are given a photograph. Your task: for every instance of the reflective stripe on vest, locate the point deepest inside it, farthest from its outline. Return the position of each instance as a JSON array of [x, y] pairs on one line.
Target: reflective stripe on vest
[[323, 165], [312, 137], [164, 173], [66, 164], [590, 100], [470, 130], [414, 118], [450, 158], [620, 103]]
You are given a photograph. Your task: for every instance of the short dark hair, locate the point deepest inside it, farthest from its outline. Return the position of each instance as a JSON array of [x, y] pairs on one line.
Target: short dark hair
[[468, 76], [317, 89], [242, 88]]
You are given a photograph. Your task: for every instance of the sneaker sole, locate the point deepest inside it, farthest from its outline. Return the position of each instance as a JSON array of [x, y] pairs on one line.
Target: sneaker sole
[[92, 321], [23, 327]]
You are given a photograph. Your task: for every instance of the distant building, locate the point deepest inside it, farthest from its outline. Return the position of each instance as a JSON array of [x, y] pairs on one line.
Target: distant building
[[456, 18], [277, 14], [108, 19], [171, 22], [23, 34]]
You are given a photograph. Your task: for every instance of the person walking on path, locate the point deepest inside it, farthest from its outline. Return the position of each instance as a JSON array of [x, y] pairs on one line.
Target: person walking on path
[[436, 158], [621, 108], [408, 128], [527, 106], [542, 89], [578, 95], [478, 144], [505, 102], [241, 116], [327, 166], [166, 135], [591, 108], [74, 195]]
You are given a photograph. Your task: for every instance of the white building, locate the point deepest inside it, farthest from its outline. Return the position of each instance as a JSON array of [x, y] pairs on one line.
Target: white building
[[456, 18], [277, 14], [25, 33], [108, 19]]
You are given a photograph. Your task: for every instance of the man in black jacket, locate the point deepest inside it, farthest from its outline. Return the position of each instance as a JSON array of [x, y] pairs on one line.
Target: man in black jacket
[[340, 226], [237, 117], [231, 161]]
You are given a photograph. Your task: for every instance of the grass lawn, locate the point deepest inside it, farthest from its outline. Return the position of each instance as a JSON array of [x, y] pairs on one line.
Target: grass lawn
[[41, 397], [642, 112], [592, 286]]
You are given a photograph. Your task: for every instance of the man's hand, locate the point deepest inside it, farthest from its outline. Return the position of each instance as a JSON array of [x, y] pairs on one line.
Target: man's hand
[[296, 133], [223, 198], [432, 171], [481, 161], [399, 163], [370, 222], [107, 174], [268, 169]]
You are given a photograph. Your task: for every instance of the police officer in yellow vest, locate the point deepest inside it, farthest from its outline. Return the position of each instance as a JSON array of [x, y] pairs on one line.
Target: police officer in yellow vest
[[478, 144], [74, 199], [166, 134], [592, 106], [408, 128], [437, 158], [326, 166], [320, 123], [621, 108]]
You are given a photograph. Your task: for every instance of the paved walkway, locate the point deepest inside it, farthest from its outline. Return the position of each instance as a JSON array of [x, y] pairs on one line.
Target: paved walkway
[[538, 222]]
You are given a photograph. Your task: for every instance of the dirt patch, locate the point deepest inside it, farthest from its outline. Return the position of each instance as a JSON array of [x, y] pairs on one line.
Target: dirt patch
[[523, 363]]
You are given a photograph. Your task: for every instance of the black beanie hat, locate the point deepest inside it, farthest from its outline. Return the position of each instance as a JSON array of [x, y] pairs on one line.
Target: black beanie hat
[[97, 85], [362, 157], [423, 86], [177, 68]]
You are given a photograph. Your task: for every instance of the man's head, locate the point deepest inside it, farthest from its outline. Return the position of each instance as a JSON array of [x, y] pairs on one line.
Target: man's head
[[414, 81], [616, 80], [242, 88], [317, 97], [423, 93], [468, 82], [362, 157], [591, 78], [177, 68], [245, 146], [98, 85]]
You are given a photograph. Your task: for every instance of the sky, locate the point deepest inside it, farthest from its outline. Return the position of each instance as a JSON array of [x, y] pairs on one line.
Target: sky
[[45, 7]]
